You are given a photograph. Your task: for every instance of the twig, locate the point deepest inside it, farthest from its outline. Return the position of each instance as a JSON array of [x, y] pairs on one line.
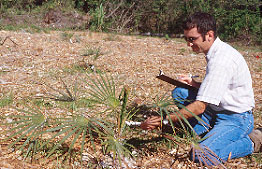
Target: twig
[[8, 37], [114, 10]]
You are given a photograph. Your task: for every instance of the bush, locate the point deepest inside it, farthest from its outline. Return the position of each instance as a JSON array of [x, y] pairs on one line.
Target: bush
[[237, 20]]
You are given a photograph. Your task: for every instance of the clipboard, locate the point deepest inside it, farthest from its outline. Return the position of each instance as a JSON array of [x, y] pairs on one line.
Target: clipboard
[[174, 82]]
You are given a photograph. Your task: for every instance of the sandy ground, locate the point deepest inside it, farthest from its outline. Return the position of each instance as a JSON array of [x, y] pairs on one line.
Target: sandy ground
[[28, 59]]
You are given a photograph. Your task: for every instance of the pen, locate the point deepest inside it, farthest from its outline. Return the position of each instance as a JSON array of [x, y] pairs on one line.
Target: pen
[[193, 76]]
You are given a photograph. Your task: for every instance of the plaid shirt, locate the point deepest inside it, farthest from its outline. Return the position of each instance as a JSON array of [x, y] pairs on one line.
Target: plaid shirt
[[227, 84]]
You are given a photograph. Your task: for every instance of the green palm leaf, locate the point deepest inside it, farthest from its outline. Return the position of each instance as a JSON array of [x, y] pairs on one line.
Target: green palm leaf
[[74, 127], [63, 140], [206, 156], [66, 95], [28, 126], [102, 91]]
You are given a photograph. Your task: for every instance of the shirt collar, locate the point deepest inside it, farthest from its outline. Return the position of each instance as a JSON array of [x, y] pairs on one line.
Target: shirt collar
[[213, 48]]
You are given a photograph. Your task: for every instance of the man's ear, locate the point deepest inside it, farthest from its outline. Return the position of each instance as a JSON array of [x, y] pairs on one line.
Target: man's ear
[[211, 35]]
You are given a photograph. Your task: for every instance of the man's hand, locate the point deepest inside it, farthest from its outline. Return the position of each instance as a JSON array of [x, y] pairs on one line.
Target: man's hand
[[185, 79], [188, 80], [151, 123], [197, 108]]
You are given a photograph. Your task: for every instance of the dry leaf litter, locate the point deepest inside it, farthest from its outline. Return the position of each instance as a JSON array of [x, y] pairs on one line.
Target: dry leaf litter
[[35, 59]]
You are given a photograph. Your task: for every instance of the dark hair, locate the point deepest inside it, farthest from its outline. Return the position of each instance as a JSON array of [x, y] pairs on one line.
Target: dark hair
[[204, 22]]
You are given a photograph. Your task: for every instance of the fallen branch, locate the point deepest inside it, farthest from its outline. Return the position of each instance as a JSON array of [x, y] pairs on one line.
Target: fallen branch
[[8, 37]]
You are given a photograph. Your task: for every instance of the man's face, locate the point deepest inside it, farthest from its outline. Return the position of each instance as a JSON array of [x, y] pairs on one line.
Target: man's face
[[195, 41]]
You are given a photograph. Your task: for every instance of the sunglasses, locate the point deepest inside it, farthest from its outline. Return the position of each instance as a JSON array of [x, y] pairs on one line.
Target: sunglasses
[[191, 39]]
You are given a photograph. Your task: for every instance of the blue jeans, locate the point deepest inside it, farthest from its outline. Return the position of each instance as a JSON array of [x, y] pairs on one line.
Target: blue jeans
[[228, 131]]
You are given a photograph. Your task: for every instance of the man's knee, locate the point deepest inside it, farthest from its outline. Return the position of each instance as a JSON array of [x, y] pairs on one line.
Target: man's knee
[[179, 94], [183, 96]]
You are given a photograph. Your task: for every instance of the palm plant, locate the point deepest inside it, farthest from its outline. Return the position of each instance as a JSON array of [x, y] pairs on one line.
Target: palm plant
[[32, 123], [27, 127], [77, 126], [65, 36], [115, 140], [95, 52], [67, 95], [103, 93]]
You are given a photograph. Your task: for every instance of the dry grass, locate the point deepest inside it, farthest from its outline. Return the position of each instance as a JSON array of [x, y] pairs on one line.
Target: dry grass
[[131, 60]]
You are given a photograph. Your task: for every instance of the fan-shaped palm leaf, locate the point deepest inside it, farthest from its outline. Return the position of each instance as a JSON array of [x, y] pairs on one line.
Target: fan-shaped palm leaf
[[78, 127], [103, 92], [118, 146], [67, 95], [205, 156], [28, 126]]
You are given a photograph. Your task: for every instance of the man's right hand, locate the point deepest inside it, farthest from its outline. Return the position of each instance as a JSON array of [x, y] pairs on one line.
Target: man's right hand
[[188, 80], [185, 79]]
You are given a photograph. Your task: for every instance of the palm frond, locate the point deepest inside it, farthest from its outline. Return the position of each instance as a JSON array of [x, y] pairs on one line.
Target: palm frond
[[205, 156], [60, 95], [119, 147], [102, 91], [76, 126], [28, 126], [162, 104]]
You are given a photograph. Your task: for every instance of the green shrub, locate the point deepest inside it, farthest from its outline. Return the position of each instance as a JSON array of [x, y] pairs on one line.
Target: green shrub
[[239, 20]]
